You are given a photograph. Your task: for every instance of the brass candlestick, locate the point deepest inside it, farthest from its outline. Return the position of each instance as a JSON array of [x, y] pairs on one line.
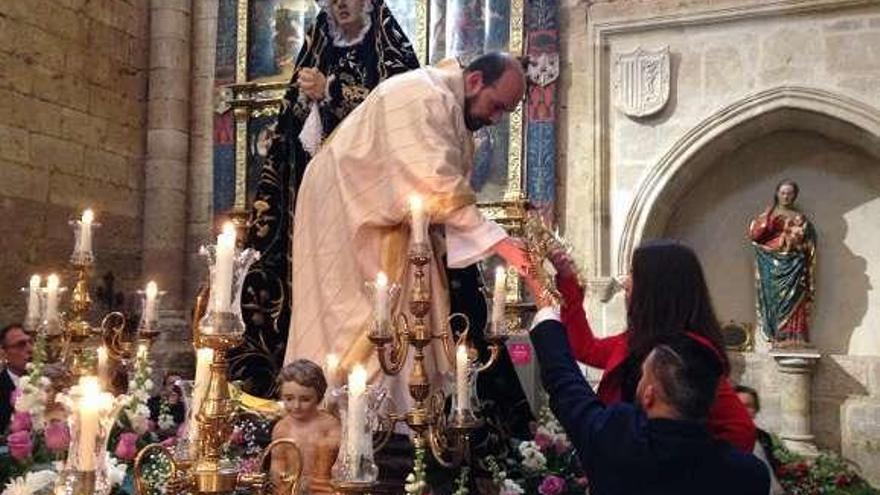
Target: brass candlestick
[[79, 339], [448, 441], [207, 473]]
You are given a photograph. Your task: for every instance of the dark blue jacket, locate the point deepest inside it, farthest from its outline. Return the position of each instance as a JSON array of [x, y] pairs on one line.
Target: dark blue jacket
[[625, 453]]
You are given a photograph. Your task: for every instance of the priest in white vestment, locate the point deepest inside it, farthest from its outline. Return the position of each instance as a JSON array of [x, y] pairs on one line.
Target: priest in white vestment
[[412, 135]]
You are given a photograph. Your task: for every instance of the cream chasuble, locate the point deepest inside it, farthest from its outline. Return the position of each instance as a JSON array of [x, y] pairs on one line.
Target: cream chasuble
[[352, 213]]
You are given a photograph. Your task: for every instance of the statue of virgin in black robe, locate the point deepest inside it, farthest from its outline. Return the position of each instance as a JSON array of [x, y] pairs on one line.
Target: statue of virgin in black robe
[[352, 67]]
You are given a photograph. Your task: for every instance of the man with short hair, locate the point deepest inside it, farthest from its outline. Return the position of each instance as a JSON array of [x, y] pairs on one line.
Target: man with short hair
[[17, 349], [658, 446]]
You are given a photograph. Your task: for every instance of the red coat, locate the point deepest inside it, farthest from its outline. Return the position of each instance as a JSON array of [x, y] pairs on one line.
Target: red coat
[[728, 419]]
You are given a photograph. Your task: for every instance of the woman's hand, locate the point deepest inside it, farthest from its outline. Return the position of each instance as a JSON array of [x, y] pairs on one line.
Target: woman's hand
[[313, 83], [563, 263]]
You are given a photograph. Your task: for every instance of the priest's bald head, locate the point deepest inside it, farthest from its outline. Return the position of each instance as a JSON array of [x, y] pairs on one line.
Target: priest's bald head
[[494, 84]]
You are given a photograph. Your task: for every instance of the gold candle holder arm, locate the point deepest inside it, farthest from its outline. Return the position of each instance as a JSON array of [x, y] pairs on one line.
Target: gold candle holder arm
[[256, 482], [113, 337], [495, 344], [448, 339], [392, 350], [447, 442]]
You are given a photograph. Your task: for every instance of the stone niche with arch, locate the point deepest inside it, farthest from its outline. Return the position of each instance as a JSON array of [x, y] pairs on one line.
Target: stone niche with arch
[[759, 92]]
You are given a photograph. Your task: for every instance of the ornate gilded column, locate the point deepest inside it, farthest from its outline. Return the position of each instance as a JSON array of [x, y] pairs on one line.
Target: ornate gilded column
[[796, 374], [168, 133]]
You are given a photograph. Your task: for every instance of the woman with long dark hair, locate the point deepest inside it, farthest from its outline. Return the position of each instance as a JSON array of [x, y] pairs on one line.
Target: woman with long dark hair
[[666, 296]]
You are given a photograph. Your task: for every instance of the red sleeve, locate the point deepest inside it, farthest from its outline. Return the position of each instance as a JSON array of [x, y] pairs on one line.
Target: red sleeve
[[729, 420], [586, 347]]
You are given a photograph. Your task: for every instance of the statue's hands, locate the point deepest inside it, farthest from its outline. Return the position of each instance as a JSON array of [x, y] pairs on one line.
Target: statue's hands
[[313, 83]]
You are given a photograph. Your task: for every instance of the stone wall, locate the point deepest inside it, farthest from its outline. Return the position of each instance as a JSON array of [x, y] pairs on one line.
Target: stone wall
[[759, 90], [72, 114]]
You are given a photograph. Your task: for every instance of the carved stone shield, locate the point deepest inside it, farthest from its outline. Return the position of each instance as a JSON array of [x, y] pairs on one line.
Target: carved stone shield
[[543, 68], [641, 81]]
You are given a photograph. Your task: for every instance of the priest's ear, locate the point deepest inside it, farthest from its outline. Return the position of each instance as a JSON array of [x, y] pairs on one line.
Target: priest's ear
[[473, 83]]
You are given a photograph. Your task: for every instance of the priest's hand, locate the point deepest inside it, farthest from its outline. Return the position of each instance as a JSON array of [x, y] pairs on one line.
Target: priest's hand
[[313, 83], [513, 251]]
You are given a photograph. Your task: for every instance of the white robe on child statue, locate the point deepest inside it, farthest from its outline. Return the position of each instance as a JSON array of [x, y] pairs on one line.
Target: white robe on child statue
[[352, 214]]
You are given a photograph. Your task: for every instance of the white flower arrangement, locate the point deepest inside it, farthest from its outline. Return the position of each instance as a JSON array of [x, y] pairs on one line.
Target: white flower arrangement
[[34, 387], [139, 388], [30, 483], [510, 487], [115, 471], [415, 481], [533, 459]]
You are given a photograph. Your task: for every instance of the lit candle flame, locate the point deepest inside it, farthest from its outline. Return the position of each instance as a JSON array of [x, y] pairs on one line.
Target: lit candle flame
[[35, 282], [88, 216], [52, 282], [152, 289]]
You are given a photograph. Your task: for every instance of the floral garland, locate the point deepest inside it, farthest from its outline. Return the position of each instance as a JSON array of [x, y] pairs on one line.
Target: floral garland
[[416, 484], [139, 388], [827, 474], [33, 389]]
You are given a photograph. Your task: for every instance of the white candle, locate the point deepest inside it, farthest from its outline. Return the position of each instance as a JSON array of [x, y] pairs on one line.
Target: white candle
[[461, 379], [381, 298], [417, 209], [151, 293], [85, 232], [33, 305], [103, 365], [90, 405], [222, 287], [204, 358], [357, 385], [499, 299], [52, 298]]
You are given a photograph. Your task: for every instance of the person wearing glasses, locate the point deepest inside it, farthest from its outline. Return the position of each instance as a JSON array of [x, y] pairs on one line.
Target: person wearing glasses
[[17, 349]]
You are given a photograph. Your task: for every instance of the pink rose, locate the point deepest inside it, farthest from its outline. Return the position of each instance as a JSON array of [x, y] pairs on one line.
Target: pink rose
[[126, 449], [552, 485], [20, 445], [543, 440], [561, 445], [57, 436], [237, 437], [21, 421]]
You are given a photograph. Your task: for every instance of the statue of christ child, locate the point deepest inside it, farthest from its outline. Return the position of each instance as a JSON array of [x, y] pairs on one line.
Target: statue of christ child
[[316, 432]]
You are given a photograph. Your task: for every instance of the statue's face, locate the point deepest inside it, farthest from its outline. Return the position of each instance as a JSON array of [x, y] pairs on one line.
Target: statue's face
[[300, 402], [786, 195], [347, 13]]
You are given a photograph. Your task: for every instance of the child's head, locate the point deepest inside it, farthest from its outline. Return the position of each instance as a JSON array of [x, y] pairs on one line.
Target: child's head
[[302, 388]]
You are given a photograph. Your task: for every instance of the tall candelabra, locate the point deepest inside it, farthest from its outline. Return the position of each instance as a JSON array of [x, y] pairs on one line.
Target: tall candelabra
[[445, 436], [80, 355], [197, 462]]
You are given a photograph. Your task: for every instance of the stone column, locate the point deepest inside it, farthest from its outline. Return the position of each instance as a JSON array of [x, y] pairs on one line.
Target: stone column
[[165, 170], [796, 374], [201, 171]]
